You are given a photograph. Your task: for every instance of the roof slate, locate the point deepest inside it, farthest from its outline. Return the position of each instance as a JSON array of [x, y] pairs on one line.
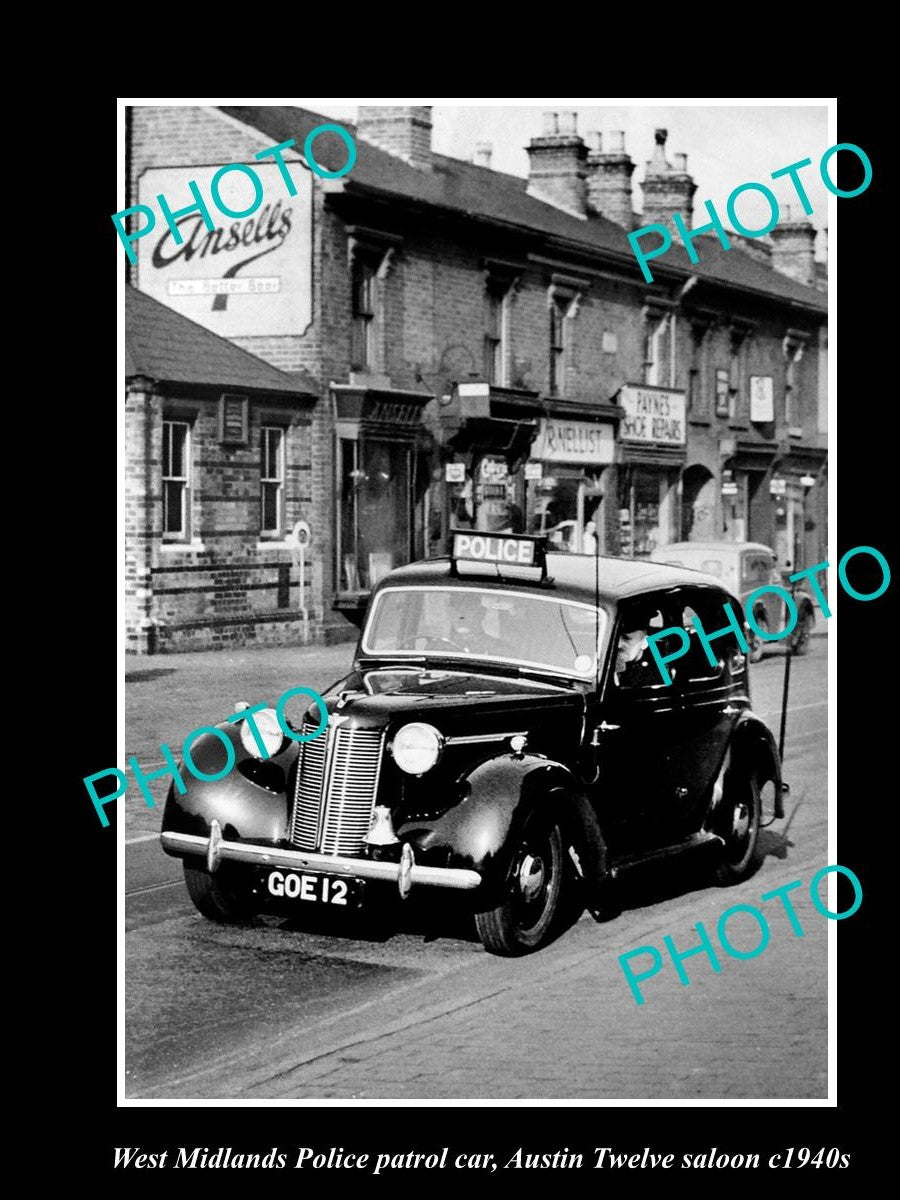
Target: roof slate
[[481, 192], [170, 348]]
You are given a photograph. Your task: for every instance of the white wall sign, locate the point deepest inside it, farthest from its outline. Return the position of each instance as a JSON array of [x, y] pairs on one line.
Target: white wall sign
[[762, 404], [563, 441], [249, 276], [652, 415], [455, 472]]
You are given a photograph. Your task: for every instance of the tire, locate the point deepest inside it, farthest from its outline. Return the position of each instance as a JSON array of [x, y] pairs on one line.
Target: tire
[[213, 898], [528, 915], [757, 645], [800, 640], [740, 829]]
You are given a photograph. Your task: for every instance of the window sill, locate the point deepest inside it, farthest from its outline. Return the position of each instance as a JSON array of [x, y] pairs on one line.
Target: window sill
[[275, 543], [182, 547], [795, 432], [698, 420], [738, 425]]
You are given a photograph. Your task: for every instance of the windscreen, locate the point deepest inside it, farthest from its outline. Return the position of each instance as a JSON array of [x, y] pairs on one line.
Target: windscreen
[[525, 630]]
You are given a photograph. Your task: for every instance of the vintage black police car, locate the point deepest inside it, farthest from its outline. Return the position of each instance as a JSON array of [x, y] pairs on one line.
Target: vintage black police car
[[504, 735]]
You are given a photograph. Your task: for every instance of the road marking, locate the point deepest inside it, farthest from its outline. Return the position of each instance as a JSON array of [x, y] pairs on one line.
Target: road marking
[[143, 837], [798, 707], [154, 887]]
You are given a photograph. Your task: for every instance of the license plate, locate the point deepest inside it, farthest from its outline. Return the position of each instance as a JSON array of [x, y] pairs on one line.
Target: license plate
[[316, 889]]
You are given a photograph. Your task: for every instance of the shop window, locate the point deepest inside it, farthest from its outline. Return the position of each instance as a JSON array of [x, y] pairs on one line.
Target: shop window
[[272, 480], [375, 525], [176, 481], [362, 349], [646, 510]]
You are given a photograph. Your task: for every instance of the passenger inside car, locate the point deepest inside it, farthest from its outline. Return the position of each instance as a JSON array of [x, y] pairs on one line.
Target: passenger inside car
[[633, 658]]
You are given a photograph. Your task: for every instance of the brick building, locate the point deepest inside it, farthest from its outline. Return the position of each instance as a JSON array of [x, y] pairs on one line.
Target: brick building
[[207, 556], [484, 351]]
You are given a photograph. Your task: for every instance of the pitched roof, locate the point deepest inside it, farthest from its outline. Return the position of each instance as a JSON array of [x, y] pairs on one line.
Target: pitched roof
[[170, 348], [502, 199]]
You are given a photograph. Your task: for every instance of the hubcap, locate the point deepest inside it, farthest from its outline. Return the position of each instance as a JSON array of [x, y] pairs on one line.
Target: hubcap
[[531, 876], [741, 823]]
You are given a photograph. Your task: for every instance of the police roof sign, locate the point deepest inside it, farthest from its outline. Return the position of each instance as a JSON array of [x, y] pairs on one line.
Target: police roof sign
[[493, 548], [652, 415]]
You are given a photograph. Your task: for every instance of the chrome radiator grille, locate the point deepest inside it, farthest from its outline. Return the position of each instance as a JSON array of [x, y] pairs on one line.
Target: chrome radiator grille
[[337, 782]]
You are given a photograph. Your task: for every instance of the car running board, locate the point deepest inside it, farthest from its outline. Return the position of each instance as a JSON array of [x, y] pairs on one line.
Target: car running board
[[694, 842]]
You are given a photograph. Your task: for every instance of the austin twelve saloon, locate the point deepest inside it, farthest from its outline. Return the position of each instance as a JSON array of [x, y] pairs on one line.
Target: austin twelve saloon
[[504, 736]]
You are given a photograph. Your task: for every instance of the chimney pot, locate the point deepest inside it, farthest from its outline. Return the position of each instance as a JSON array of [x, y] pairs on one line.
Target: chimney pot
[[594, 141], [617, 141], [550, 128], [681, 162], [786, 213], [568, 123], [483, 153], [660, 135]]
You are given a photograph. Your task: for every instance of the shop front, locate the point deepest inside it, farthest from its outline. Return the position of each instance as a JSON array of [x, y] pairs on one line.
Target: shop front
[[652, 455], [798, 492], [487, 432], [381, 487], [567, 478], [747, 510]]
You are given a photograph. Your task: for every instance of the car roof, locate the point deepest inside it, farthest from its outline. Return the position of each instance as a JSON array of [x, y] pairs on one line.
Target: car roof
[[571, 576], [709, 547]]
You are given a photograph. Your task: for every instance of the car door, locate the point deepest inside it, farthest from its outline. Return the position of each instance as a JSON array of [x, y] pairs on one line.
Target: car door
[[711, 698], [636, 734]]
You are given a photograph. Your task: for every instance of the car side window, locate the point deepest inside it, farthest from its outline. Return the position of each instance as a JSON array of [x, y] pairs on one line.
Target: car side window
[[696, 669], [634, 667], [756, 570]]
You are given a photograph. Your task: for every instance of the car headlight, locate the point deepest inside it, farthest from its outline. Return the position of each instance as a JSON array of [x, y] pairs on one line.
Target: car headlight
[[416, 748], [269, 730]]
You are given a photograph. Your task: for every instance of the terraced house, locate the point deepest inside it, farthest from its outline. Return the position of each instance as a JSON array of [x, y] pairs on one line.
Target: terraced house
[[431, 344]]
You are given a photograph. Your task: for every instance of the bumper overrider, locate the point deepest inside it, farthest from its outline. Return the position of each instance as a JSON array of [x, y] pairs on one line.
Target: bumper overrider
[[404, 873]]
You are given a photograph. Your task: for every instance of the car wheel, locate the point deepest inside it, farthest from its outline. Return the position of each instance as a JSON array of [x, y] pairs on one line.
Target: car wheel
[[527, 916], [740, 830], [214, 898], [800, 641], [757, 645]]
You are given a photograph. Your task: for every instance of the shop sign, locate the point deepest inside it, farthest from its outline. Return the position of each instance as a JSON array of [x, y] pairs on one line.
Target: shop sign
[[455, 472], [729, 488], [762, 404], [652, 415], [563, 441], [534, 470], [390, 412], [493, 470], [777, 487], [246, 277]]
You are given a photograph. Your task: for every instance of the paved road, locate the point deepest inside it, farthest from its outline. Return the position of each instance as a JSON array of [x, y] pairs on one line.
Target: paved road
[[417, 1009]]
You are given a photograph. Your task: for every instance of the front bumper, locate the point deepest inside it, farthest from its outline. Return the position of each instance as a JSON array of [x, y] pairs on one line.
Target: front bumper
[[404, 873]]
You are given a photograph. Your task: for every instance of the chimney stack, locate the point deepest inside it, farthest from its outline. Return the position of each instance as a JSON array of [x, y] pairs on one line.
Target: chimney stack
[[609, 180], [483, 152], [556, 170], [794, 247], [667, 189], [401, 131]]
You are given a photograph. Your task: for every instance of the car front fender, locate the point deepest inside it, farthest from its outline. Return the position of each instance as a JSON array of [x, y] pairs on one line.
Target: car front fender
[[251, 803]]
